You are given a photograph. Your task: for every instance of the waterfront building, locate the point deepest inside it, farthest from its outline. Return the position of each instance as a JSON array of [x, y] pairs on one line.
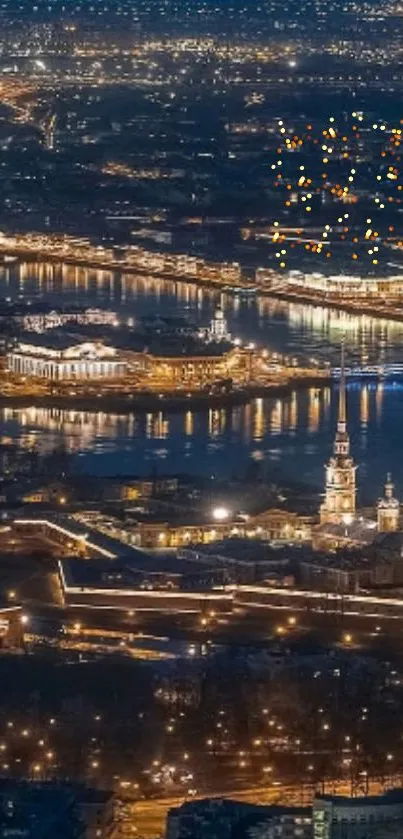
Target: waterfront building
[[57, 319], [388, 509], [60, 357], [340, 287], [203, 366], [218, 327], [339, 505]]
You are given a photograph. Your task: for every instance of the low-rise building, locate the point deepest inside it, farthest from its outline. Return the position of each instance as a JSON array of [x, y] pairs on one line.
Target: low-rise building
[[242, 560], [46, 810], [60, 357], [39, 811], [348, 571], [12, 622], [341, 817], [216, 818], [196, 368], [338, 286], [144, 583], [330, 817]]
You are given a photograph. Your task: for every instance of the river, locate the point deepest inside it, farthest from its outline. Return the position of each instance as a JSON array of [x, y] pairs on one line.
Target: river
[[291, 436]]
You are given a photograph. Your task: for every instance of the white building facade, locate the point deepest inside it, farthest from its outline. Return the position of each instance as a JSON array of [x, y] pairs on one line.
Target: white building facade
[[81, 361]]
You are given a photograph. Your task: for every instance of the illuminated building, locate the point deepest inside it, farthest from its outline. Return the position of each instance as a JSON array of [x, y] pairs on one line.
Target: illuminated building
[[219, 818], [96, 574], [340, 493], [197, 369], [388, 509], [55, 357], [374, 815], [277, 525], [39, 322], [145, 587], [11, 627], [343, 285], [218, 326]]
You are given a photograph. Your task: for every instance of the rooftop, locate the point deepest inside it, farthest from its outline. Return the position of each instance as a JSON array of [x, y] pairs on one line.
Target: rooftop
[[164, 345], [360, 530], [391, 796], [252, 550], [126, 573]]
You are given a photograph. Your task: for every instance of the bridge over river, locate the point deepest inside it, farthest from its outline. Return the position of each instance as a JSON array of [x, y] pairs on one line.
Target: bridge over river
[[371, 371]]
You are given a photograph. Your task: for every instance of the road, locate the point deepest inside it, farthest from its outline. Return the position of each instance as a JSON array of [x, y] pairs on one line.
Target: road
[[146, 819]]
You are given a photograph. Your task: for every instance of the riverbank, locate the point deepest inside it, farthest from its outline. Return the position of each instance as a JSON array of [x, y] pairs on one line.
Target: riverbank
[[119, 267], [360, 306], [150, 402]]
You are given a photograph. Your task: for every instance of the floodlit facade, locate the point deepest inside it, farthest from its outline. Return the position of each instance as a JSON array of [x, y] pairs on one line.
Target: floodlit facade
[[344, 285], [195, 371], [388, 509], [339, 286], [339, 505], [89, 360], [218, 326]]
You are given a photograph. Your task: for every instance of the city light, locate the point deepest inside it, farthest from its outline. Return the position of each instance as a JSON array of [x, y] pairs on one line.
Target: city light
[[221, 513]]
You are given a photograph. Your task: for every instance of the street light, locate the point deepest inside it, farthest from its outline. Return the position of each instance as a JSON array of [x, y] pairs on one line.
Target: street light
[[221, 513]]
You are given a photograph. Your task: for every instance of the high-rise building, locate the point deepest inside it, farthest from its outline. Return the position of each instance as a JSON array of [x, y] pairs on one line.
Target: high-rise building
[[339, 504]]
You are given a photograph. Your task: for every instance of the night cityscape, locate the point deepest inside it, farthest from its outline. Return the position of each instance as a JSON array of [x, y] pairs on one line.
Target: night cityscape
[[201, 392]]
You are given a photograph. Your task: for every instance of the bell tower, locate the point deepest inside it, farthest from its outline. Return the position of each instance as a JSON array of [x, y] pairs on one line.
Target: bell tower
[[388, 509], [340, 489]]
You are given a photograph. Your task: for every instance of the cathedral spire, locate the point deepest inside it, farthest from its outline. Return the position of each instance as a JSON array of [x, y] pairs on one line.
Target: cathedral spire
[[341, 446], [340, 490], [342, 418]]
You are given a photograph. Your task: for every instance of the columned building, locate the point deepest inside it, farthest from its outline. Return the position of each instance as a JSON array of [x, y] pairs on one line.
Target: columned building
[[60, 359], [196, 371], [339, 505]]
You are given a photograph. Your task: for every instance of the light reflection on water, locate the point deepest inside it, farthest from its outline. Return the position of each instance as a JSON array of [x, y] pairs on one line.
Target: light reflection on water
[[291, 435], [292, 327]]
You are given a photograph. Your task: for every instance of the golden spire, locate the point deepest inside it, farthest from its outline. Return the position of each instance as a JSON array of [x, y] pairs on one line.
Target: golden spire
[[342, 418], [341, 446], [389, 486]]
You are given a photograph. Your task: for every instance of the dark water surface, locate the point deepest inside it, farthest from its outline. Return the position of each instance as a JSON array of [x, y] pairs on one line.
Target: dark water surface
[[291, 436]]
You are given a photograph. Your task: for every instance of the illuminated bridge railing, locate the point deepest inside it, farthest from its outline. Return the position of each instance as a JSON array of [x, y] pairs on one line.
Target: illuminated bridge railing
[[364, 605], [370, 371]]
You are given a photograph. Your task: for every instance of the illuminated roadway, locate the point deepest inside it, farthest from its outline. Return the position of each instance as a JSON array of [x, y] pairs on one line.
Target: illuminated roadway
[[147, 818]]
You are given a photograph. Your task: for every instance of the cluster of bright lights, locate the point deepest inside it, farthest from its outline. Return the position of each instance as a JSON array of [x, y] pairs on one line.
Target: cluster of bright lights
[[345, 161]]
